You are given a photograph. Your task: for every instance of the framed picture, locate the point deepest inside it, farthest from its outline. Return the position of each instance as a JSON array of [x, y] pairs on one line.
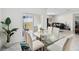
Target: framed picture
[[28, 22]]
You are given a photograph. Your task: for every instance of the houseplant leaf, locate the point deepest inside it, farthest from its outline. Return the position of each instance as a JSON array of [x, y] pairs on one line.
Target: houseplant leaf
[[7, 21], [8, 32], [2, 22], [4, 29], [14, 29], [11, 34]]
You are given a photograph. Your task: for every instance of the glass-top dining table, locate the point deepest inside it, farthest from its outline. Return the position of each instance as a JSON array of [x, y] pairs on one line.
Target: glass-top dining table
[[49, 39]]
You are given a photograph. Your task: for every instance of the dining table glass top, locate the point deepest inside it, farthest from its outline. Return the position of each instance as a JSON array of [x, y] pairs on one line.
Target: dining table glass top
[[50, 38]]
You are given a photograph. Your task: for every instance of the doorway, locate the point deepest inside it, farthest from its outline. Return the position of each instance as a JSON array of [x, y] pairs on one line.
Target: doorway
[[76, 23]]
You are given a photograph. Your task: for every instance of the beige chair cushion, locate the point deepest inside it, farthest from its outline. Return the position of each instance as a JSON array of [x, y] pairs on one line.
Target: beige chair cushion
[[37, 44]]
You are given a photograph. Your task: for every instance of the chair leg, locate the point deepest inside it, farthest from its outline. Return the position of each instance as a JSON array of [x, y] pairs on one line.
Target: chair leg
[[42, 48]]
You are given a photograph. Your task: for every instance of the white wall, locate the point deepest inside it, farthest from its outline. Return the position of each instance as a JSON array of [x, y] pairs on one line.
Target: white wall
[[15, 15], [37, 20], [1, 18], [0, 14]]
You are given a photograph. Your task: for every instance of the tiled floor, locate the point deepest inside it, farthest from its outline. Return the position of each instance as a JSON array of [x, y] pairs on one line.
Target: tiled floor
[[73, 44]]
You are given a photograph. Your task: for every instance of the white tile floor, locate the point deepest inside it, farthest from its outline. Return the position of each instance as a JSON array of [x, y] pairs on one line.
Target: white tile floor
[[73, 44]]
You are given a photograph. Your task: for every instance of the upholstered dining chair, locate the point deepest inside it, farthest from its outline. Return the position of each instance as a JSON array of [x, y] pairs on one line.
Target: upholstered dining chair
[[33, 44], [53, 35], [49, 29], [35, 28], [58, 45]]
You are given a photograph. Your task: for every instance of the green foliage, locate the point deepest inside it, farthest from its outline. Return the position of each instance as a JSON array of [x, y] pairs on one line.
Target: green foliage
[[14, 29], [8, 21], [9, 32], [3, 22]]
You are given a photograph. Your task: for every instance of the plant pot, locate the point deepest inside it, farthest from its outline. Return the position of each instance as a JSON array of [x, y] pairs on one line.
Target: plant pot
[[3, 38], [7, 45]]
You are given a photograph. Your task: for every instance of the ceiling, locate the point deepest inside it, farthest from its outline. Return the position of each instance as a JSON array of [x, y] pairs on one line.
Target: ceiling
[[59, 11]]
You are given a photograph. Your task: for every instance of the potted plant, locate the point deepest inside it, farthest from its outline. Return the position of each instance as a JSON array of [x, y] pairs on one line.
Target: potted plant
[[6, 27]]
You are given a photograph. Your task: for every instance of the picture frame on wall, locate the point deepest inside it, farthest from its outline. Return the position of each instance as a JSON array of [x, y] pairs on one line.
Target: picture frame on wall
[[28, 22]]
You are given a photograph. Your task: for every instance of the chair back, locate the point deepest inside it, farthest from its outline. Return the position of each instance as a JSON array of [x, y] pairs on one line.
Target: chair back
[[55, 32], [49, 30], [35, 29], [28, 39]]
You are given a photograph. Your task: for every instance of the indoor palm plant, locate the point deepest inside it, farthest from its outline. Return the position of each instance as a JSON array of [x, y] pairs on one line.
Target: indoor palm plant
[[9, 32]]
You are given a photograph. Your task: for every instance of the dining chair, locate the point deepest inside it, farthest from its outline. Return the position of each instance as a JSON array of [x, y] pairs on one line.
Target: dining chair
[[49, 30], [58, 45], [33, 44], [53, 35], [35, 28]]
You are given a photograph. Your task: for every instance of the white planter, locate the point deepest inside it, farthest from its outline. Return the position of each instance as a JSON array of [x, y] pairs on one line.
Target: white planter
[[3, 37], [7, 45]]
